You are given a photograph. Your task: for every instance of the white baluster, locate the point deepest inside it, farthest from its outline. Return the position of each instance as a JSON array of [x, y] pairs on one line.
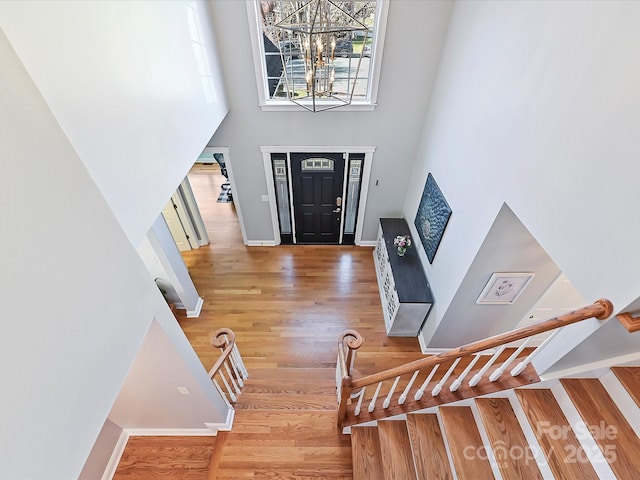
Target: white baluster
[[356, 412], [497, 373], [372, 403], [478, 376], [403, 397], [423, 387], [438, 388], [236, 372], [458, 381], [387, 401], [226, 384], [233, 382], [353, 360], [235, 353], [517, 370], [221, 392]]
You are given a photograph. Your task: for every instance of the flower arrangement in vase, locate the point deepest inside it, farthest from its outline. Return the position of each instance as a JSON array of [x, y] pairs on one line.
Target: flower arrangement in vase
[[402, 242]]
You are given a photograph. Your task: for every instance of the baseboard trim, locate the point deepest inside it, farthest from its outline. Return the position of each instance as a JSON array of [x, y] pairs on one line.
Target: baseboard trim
[[222, 427], [367, 243], [116, 455], [169, 432], [196, 312], [587, 367], [434, 351], [261, 243]]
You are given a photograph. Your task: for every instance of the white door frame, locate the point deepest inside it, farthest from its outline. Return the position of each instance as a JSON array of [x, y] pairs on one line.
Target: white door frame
[[271, 191], [189, 212]]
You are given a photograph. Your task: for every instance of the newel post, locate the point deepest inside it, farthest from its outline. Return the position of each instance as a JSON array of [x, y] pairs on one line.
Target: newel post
[[350, 341]]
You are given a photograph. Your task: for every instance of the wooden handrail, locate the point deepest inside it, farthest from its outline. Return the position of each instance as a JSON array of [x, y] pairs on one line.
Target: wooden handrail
[[223, 338], [409, 387], [352, 341], [230, 359], [600, 309]]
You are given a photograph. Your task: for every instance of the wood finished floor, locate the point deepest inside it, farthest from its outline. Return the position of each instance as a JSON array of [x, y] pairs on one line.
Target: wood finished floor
[[287, 305]]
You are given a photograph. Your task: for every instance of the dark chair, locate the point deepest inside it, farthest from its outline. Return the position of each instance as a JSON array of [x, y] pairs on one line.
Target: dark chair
[[219, 158]]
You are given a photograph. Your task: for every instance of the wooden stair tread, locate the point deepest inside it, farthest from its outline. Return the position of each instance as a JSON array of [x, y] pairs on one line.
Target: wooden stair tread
[[367, 459], [561, 451], [275, 401], [506, 439], [427, 444], [395, 446], [618, 442], [629, 377], [465, 444]]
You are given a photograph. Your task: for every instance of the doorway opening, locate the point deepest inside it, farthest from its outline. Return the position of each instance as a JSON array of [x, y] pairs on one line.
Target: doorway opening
[[317, 195]]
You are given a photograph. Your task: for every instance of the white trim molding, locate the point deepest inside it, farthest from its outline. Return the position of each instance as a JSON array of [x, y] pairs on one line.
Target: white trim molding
[[263, 243], [259, 63], [116, 455], [288, 149], [367, 243], [196, 312], [170, 432], [223, 427]]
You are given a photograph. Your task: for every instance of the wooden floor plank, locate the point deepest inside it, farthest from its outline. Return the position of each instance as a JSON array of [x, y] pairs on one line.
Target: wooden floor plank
[[610, 430], [395, 446], [367, 458], [287, 306], [465, 444], [510, 447], [166, 457], [562, 451], [427, 444], [630, 379]]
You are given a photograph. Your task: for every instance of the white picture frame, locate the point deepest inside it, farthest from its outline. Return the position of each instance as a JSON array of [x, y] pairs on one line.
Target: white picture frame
[[504, 288]]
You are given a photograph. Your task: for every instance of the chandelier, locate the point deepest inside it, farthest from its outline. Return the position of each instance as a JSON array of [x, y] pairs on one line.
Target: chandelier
[[320, 71]]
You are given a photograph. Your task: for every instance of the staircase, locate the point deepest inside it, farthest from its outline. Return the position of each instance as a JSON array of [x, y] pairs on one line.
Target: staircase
[[572, 428]]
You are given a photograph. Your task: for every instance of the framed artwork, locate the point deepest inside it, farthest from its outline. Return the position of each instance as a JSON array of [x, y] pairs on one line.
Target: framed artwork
[[432, 217], [504, 288]]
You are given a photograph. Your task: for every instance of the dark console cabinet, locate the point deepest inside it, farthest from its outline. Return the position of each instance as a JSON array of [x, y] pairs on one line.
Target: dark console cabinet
[[404, 290]]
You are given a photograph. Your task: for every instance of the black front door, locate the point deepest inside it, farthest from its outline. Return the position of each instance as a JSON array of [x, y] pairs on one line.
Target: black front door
[[317, 196]]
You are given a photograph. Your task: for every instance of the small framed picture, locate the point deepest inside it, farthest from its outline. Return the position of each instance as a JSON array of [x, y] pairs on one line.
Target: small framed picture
[[504, 288]]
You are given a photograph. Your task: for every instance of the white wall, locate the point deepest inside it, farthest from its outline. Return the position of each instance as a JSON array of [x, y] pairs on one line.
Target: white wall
[[164, 262], [412, 49], [508, 247], [149, 398], [101, 452], [102, 111], [77, 298], [536, 104], [135, 86]]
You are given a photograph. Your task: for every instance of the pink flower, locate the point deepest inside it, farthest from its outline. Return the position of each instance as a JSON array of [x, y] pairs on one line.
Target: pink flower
[[403, 241]]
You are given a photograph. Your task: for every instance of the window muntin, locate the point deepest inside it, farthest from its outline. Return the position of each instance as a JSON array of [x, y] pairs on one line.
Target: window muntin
[[270, 12], [281, 181], [318, 165]]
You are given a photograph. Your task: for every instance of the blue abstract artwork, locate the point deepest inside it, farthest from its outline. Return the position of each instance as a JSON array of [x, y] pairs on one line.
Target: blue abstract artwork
[[432, 217]]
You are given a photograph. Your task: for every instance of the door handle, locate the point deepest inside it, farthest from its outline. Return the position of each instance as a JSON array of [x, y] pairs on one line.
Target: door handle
[[337, 210]]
